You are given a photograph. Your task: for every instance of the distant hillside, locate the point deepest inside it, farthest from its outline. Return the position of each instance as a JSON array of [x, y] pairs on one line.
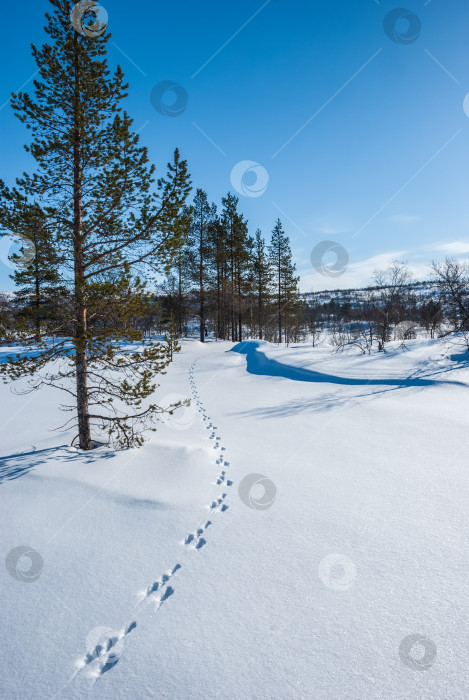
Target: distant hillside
[[421, 291]]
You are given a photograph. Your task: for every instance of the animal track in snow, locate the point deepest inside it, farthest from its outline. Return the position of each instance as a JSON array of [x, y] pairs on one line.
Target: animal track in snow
[[105, 646], [195, 539], [218, 505], [222, 479], [159, 591]]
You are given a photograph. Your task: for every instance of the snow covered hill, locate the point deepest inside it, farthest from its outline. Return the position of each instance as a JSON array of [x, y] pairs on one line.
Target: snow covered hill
[[423, 291], [300, 531]]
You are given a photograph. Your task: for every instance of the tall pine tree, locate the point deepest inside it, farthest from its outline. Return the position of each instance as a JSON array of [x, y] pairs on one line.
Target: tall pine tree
[[285, 281], [202, 254], [261, 282], [40, 292], [95, 190], [238, 245]]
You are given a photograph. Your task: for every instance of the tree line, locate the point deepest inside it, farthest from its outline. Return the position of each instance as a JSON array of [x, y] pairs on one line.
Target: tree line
[[230, 281]]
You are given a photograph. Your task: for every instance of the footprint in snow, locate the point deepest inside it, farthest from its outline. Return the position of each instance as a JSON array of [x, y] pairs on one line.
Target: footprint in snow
[[218, 505], [195, 539], [105, 647]]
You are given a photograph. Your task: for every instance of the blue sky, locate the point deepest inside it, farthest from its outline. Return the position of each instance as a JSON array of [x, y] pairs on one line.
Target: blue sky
[[364, 139]]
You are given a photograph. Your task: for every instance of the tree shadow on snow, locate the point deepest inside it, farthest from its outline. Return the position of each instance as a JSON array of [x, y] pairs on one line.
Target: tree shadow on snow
[[16, 465], [461, 358]]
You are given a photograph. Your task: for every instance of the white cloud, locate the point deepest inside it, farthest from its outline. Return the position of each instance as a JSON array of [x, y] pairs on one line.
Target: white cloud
[[452, 247], [360, 273], [357, 274]]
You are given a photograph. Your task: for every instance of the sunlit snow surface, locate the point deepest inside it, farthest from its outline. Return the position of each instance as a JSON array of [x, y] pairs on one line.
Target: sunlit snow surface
[[300, 531]]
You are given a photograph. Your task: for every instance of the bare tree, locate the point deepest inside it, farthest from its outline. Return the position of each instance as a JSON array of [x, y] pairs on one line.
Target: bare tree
[[452, 280], [390, 299]]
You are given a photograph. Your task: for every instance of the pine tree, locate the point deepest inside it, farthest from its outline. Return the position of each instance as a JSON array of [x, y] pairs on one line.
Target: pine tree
[[238, 246], [177, 283], [37, 273], [172, 337], [261, 281], [285, 281], [220, 252], [202, 254], [94, 188], [181, 268]]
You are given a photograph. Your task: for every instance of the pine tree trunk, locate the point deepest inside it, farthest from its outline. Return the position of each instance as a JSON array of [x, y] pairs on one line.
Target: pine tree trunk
[[218, 302], [201, 287], [179, 310], [260, 320], [37, 322], [84, 433], [223, 305], [81, 360], [279, 303], [233, 325], [259, 308], [240, 324], [202, 320], [232, 310]]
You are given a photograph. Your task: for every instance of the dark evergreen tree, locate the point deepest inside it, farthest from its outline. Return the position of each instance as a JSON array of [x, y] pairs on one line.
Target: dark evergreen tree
[[202, 254], [261, 282], [238, 246], [220, 252], [285, 281], [37, 276], [172, 337], [178, 282]]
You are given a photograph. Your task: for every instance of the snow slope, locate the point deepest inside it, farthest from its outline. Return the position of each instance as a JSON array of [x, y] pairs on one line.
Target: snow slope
[[172, 572]]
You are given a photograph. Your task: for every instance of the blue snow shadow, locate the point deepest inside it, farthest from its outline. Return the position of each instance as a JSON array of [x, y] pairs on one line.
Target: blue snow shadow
[[258, 363], [460, 357], [17, 465]]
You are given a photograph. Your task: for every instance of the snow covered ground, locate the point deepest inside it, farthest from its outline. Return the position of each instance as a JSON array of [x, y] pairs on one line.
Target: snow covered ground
[[301, 531]]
